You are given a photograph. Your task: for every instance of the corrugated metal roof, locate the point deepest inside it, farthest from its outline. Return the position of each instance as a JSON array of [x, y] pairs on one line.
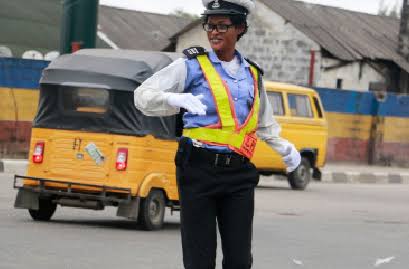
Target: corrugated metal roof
[[347, 35], [35, 25], [139, 30]]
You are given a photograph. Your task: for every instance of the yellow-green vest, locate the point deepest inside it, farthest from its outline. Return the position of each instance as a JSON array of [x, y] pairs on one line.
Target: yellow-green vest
[[240, 139]]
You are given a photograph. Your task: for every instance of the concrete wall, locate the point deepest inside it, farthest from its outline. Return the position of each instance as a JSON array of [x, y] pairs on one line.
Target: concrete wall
[[354, 75], [19, 83], [282, 51], [359, 126], [362, 129]]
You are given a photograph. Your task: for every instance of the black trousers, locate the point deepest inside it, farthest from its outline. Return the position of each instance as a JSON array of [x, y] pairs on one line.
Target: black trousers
[[210, 195]]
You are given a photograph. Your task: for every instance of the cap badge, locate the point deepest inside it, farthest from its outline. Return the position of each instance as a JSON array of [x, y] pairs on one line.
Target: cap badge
[[216, 4]]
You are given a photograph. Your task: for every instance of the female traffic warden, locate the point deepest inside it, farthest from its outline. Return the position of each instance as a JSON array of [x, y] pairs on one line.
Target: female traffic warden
[[226, 109]]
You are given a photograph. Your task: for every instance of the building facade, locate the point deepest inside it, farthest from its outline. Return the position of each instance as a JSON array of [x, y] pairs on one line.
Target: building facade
[[305, 51]]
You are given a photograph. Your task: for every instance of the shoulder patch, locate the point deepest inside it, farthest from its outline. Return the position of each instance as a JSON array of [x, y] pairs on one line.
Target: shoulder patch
[[193, 52], [255, 65]]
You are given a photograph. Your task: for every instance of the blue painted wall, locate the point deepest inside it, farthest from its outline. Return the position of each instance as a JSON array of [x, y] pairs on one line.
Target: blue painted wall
[[21, 73], [364, 103]]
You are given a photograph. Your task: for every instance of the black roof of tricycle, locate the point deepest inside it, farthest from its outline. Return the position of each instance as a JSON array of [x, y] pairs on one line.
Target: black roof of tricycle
[[106, 68]]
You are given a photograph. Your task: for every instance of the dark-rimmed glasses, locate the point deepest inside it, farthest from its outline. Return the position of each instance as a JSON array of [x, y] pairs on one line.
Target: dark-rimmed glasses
[[221, 28]]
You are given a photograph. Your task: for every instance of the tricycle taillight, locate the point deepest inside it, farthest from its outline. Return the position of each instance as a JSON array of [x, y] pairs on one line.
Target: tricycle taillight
[[122, 159], [38, 153]]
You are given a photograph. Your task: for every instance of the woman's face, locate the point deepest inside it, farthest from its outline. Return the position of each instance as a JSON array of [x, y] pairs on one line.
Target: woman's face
[[220, 42]]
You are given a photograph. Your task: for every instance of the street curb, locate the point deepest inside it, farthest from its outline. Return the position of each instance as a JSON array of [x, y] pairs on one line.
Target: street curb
[[13, 166], [365, 178], [347, 178]]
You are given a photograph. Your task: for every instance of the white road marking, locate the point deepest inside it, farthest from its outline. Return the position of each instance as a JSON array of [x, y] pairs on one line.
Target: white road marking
[[297, 262], [379, 262]]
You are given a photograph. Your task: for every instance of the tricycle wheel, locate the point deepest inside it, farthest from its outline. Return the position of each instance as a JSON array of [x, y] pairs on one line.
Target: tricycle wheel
[[152, 211], [45, 211], [300, 178]]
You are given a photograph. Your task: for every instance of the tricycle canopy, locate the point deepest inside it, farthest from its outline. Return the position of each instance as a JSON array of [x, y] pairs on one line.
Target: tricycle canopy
[[111, 69], [92, 90]]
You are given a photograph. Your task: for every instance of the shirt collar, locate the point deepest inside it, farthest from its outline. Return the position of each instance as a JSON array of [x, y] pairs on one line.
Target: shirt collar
[[213, 58], [241, 74]]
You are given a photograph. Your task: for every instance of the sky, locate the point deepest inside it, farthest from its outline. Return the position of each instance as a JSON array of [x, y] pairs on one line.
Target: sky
[[196, 7]]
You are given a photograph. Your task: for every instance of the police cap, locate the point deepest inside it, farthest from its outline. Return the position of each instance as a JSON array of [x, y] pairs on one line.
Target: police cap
[[228, 7]]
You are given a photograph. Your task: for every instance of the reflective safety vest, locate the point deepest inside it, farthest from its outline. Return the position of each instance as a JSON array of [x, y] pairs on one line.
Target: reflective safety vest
[[241, 139]]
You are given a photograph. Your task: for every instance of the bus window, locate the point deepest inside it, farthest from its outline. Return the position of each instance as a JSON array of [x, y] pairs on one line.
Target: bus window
[[276, 101], [300, 106]]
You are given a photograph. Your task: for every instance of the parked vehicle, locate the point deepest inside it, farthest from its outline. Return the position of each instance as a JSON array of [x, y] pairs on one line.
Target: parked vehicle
[[301, 115], [91, 148]]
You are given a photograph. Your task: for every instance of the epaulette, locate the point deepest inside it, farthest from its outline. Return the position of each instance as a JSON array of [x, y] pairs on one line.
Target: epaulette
[[256, 66], [193, 52]]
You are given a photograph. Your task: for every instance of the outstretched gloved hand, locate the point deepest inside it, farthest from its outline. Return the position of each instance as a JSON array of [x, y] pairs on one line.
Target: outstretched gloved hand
[[187, 101], [292, 159]]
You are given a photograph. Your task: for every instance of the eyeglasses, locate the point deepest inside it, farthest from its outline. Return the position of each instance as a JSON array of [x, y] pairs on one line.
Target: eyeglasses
[[221, 28]]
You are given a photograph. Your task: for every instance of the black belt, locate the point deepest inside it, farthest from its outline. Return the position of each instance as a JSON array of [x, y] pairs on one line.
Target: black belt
[[202, 155]]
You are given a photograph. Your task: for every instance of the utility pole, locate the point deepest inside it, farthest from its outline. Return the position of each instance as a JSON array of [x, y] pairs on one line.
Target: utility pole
[[79, 25]]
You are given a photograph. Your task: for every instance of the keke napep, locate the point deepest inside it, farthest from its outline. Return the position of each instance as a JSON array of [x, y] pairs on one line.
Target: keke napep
[[91, 148]]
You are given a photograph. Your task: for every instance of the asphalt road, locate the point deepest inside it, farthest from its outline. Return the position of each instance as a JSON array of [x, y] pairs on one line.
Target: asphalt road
[[329, 226]]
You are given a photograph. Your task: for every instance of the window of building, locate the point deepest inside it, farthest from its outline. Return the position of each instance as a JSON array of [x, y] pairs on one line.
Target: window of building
[[276, 101], [300, 105], [339, 83]]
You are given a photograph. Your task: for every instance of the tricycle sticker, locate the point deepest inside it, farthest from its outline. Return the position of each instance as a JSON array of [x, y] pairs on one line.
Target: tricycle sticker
[[95, 153]]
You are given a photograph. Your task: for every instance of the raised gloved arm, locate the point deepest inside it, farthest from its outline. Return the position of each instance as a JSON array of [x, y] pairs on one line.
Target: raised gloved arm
[[151, 97]]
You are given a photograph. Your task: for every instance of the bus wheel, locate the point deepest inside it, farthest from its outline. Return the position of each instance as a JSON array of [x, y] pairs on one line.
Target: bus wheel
[[152, 211], [300, 178], [45, 211]]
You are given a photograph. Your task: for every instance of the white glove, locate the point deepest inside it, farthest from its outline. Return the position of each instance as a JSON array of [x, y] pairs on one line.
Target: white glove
[[292, 160], [187, 101]]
